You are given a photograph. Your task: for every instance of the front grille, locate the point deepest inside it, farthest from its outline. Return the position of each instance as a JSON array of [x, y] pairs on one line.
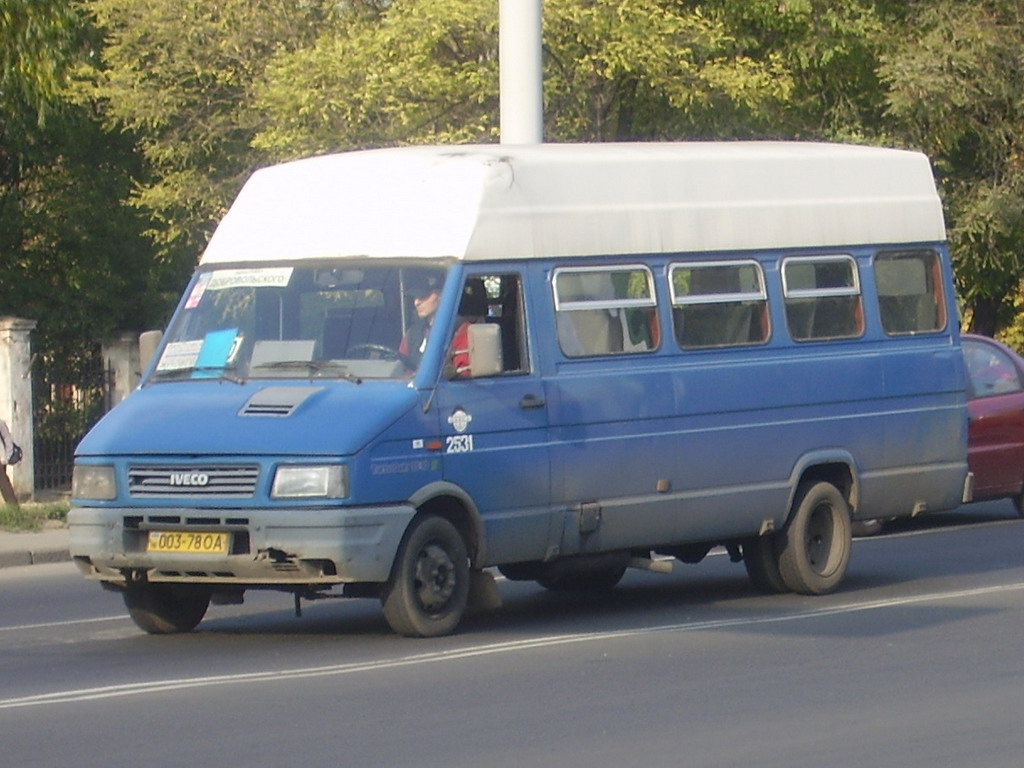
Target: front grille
[[223, 481]]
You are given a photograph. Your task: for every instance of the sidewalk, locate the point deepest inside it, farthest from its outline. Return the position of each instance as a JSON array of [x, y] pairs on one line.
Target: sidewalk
[[49, 545]]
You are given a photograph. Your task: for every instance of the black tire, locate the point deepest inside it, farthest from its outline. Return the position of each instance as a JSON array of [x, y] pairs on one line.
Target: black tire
[[761, 559], [427, 593], [1018, 503], [814, 548], [166, 609]]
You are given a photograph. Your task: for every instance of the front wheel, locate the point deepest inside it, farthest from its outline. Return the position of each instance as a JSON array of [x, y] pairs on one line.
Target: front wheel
[[814, 549], [428, 591], [164, 609]]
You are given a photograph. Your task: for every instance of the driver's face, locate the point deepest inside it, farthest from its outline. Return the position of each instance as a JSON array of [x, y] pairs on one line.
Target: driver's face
[[427, 306]]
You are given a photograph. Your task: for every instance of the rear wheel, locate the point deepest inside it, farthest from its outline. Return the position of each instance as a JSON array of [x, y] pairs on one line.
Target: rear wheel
[[164, 609], [761, 559], [814, 549], [428, 591]]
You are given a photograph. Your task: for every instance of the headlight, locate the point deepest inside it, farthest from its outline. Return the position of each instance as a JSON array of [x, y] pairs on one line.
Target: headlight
[[95, 482], [310, 482]]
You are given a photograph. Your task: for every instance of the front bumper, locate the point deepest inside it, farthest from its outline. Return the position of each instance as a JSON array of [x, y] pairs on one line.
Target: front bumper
[[267, 547]]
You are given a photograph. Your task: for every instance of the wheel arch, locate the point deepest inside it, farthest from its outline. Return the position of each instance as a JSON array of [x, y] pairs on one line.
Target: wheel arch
[[451, 502], [836, 467]]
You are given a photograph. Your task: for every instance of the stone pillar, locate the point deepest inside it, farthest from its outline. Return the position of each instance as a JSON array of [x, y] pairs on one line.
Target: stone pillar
[[121, 358], [16, 397]]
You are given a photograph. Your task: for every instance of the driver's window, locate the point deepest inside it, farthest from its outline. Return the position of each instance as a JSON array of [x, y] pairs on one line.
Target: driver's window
[[494, 300]]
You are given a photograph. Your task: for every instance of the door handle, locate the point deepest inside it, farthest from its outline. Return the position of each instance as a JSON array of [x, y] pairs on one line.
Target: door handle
[[532, 401]]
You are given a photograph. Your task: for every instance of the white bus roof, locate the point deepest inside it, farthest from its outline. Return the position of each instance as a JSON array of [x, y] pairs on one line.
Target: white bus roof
[[487, 202]]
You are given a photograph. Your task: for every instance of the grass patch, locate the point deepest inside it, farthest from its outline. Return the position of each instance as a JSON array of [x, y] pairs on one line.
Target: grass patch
[[32, 517]]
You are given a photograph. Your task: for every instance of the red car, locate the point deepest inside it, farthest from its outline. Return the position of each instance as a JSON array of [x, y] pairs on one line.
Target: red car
[[995, 404], [995, 435]]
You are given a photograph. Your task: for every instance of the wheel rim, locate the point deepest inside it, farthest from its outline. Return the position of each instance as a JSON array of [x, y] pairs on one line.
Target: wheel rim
[[821, 539], [435, 578]]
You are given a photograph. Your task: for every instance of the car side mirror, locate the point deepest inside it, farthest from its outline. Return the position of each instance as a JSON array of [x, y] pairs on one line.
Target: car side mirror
[[484, 353], [485, 357]]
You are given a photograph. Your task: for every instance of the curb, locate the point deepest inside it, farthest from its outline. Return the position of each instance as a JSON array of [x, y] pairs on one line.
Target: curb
[[15, 559]]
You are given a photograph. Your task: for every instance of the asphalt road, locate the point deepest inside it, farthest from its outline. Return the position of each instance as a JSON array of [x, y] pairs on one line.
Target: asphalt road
[[917, 661]]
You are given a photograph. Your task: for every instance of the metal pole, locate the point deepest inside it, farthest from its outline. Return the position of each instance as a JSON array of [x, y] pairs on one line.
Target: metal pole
[[521, 73]]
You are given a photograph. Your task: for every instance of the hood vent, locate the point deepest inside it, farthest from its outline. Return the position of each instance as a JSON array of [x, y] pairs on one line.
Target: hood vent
[[277, 402]]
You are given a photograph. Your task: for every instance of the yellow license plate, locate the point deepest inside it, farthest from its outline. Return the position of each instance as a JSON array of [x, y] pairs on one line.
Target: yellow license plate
[[190, 542]]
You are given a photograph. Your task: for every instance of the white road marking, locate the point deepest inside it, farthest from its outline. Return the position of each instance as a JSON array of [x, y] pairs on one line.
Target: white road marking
[[68, 623], [518, 646]]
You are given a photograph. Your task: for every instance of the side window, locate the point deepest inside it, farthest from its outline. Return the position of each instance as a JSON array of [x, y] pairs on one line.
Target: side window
[[717, 304], [605, 310], [822, 297], [990, 370], [910, 298], [496, 303]]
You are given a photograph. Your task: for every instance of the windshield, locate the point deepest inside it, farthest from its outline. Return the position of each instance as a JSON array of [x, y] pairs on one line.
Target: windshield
[[352, 322]]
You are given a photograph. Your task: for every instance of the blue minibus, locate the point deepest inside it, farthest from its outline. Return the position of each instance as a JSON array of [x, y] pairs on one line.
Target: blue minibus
[[397, 372]]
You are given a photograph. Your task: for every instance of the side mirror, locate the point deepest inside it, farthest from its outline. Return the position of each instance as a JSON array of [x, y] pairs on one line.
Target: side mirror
[[484, 353], [485, 350], [148, 342]]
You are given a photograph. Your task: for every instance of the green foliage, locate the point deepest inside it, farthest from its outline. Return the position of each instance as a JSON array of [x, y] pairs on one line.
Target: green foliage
[[416, 73], [37, 41], [426, 71], [1012, 333], [830, 51], [31, 517], [79, 273], [652, 70], [69, 250], [177, 73]]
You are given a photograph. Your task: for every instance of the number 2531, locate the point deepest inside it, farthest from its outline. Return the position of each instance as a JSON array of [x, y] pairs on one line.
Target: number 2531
[[458, 444]]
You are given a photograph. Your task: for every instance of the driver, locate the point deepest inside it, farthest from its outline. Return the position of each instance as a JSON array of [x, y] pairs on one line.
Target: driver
[[426, 295]]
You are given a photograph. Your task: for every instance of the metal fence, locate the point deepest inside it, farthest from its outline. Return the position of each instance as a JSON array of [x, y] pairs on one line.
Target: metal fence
[[70, 393]]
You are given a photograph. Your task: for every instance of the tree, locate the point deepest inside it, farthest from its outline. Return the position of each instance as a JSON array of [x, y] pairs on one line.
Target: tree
[[37, 43], [830, 51], [36, 38], [955, 88], [80, 275], [426, 71], [178, 74], [415, 72], [649, 70]]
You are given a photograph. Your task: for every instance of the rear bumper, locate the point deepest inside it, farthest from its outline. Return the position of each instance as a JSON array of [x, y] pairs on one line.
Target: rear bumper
[[279, 547]]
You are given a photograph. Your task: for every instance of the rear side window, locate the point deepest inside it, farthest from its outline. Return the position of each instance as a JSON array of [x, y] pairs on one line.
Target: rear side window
[[990, 370], [605, 310], [822, 297], [910, 298], [719, 304]]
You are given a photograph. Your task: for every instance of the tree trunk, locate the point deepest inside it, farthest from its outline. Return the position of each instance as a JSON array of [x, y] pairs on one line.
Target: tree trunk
[[984, 316]]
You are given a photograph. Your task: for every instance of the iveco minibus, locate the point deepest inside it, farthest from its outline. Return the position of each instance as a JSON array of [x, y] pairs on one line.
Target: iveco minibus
[[398, 371]]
